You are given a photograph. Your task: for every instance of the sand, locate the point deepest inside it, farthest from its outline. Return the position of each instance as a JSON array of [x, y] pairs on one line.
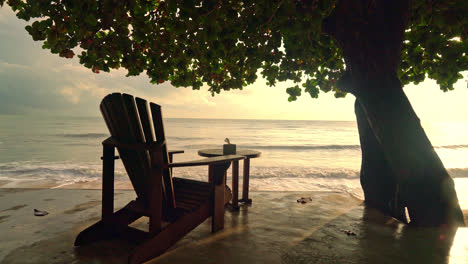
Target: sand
[[332, 228]]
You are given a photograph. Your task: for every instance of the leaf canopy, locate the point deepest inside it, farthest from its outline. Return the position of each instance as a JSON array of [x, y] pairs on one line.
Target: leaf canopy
[[226, 44]]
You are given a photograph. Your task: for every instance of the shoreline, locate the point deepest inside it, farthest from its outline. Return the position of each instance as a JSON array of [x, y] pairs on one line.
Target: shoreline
[[274, 229]]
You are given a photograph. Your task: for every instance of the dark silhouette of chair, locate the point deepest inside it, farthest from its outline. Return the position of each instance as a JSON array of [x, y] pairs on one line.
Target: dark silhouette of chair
[[174, 206]]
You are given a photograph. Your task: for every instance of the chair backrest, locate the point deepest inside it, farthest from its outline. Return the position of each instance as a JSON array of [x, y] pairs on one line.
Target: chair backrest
[[131, 120]]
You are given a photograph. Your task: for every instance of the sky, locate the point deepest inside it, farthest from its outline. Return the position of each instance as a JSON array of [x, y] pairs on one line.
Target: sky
[[34, 81]]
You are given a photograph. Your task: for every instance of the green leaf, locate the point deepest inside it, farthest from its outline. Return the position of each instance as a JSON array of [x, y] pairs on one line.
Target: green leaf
[[91, 20]]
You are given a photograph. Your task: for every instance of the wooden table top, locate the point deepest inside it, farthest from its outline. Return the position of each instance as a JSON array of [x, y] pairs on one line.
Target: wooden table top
[[249, 153]]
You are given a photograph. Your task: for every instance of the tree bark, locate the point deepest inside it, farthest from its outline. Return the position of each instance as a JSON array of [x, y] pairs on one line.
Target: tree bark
[[378, 182], [425, 187], [400, 167]]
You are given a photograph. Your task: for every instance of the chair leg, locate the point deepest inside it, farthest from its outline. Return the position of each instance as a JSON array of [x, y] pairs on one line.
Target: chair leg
[[108, 183], [218, 171], [218, 208]]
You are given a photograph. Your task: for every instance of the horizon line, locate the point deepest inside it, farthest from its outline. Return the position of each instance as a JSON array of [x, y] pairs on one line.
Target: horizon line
[[216, 118]]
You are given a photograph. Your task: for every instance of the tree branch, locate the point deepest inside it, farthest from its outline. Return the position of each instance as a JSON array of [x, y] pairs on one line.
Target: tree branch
[[272, 15], [213, 9]]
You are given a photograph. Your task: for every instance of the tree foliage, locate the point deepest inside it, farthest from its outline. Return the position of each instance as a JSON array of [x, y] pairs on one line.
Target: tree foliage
[[226, 44]]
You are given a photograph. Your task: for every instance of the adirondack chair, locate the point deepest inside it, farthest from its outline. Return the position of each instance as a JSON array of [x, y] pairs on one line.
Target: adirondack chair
[[174, 206]]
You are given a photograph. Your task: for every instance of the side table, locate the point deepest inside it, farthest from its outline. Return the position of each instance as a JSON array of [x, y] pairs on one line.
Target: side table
[[248, 154]]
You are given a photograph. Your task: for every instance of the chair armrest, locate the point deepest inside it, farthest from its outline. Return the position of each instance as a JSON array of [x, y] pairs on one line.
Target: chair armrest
[[175, 152], [207, 161], [171, 154], [150, 146]]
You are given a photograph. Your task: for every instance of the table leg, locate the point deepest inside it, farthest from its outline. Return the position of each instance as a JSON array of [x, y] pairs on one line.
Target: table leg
[[245, 187], [235, 184]]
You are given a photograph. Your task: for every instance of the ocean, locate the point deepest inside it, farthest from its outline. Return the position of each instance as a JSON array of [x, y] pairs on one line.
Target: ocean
[[296, 155]]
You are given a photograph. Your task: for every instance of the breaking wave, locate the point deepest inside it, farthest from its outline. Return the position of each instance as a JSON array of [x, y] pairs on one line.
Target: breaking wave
[[278, 178], [306, 147], [84, 135]]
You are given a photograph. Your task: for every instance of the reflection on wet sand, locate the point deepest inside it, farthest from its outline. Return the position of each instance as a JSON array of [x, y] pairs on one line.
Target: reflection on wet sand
[[459, 251], [379, 239], [332, 228]]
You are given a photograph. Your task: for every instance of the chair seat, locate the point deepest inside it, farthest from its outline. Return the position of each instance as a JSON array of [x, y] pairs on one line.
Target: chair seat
[[191, 194]]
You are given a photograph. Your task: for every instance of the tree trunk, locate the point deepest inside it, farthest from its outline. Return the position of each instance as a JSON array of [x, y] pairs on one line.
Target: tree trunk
[[425, 187], [377, 179], [400, 167]]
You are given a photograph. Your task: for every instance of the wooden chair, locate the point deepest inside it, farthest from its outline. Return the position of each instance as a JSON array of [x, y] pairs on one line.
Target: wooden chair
[[174, 206]]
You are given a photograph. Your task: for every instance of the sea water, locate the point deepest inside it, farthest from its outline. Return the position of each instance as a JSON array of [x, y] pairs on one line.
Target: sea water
[[296, 155]]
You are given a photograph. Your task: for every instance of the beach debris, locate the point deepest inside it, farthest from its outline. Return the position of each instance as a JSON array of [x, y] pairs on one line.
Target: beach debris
[[348, 232], [40, 213], [227, 140], [304, 200]]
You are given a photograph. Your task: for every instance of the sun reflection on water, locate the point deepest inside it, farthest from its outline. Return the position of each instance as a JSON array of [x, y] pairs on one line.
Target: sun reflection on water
[[461, 186], [459, 250]]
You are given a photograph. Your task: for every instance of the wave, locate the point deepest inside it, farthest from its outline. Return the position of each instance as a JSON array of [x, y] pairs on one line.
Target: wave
[[452, 146], [201, 146], [84, 135], [280, 177], [280, 147], [458, 172], [305, 147], [35, 169], [303, 172], [184, 138], [61, 173]]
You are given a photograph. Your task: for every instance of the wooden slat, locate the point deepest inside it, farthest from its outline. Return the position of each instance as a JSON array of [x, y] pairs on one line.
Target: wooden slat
[[200, 191], [187, 205], [184, 193], [155, 178], [107, 118], [115, 116], [188, 200], [192, 195], [145, 118], [158, 126], [136, 136], [178, 180]]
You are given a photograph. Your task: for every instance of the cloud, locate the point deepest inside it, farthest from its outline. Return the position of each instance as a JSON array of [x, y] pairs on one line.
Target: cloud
[[5, 65], [180, 97], [75, 92], [68, 67], [40, 81]]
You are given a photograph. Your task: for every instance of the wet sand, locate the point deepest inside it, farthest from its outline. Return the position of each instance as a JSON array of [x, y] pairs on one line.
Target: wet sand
[[3, 182], [51, 184], [332, 228]]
